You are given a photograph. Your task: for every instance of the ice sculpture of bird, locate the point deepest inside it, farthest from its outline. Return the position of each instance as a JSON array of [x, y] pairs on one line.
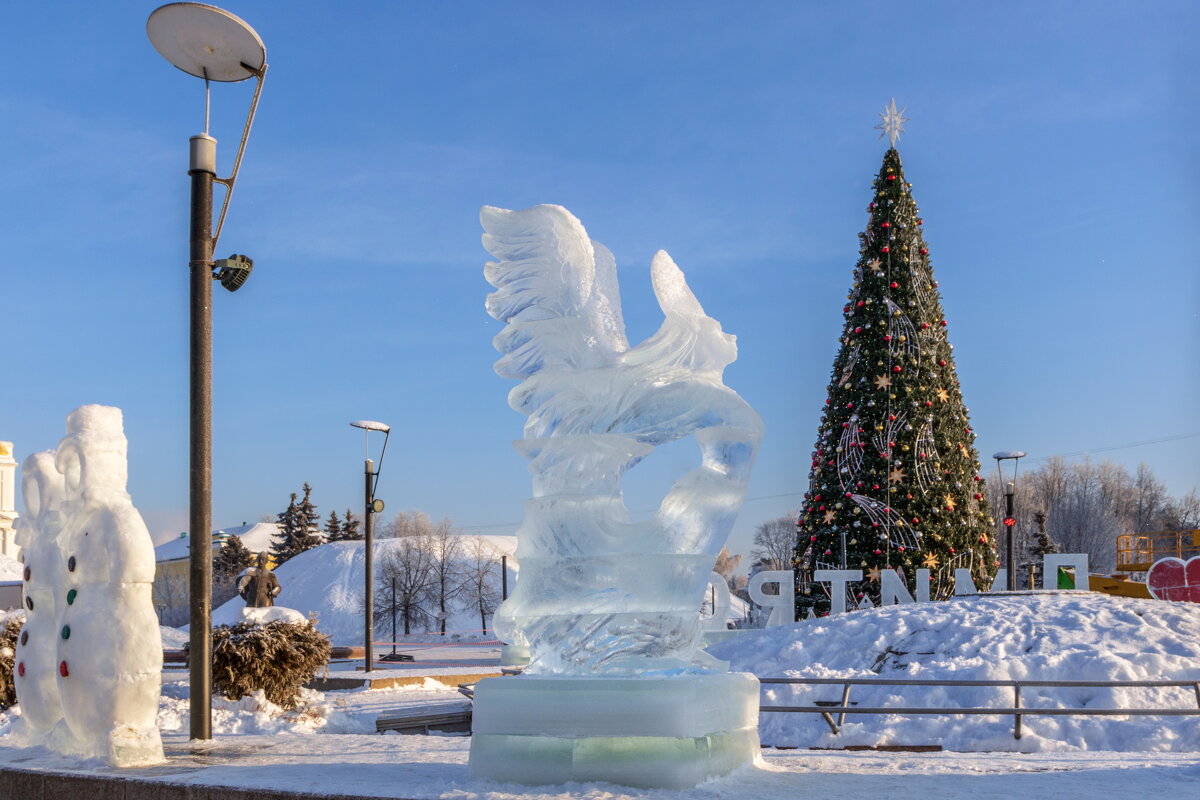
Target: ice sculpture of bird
[[599, 591]]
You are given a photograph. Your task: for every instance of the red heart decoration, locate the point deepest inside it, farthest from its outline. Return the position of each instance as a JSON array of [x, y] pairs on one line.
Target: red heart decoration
[[1175, 579]]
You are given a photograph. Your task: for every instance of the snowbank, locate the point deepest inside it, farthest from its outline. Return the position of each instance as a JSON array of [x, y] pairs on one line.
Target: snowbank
[[1057, 636], [328, 581], [10, 569]]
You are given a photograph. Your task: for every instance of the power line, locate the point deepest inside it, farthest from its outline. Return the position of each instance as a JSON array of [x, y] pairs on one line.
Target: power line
[[1110, 447]]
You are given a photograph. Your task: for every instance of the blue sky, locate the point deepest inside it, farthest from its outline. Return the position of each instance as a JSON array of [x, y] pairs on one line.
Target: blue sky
[[1052, 147]]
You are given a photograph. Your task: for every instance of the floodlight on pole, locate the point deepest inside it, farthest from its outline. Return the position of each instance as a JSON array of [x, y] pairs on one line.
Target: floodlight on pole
[[371, 507], [1010, 520], [214, 45]]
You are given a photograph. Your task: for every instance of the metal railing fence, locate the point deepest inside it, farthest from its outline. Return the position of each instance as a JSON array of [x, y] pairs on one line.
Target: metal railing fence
[[1017, 711]]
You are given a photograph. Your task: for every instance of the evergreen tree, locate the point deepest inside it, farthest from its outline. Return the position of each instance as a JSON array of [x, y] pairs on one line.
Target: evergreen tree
[[347, 530], [231, 559], [350, 531], [894, 480], [298, 528], [333, 528]]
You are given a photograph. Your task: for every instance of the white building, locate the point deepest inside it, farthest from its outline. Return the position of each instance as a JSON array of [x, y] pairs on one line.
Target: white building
[[8, 500]]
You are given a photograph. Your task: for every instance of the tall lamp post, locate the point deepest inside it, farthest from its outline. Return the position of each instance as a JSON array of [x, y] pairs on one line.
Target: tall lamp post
[[371, 507], [1010, 520], [217, 46]]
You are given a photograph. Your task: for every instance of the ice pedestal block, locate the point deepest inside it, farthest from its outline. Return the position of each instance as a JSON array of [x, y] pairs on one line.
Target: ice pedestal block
[[648, 732]]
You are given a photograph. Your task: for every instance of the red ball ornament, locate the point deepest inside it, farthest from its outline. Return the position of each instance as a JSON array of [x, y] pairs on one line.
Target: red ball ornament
[[875, 486], [978, 496], [896, 368], [942, 362], [849, 494], [924, 251], [920, 221], [812, 538], [886, 249], [951, 549], [891, 177], [827, 552], [877, 552], [891, 418], [928, 403], [943, 323], [886, 225], [895, 285], [924, 325], [860, 304], [858, 330]]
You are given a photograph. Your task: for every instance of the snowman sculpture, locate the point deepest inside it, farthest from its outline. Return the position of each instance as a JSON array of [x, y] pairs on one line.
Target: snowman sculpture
[[109, 665], [37, 652]]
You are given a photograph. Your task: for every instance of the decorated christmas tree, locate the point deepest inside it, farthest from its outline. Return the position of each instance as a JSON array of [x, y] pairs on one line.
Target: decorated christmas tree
[[895, 480]]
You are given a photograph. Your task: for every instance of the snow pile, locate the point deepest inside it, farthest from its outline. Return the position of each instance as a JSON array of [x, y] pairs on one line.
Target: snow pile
[[328, 581], [10, 569], [1053, 636]]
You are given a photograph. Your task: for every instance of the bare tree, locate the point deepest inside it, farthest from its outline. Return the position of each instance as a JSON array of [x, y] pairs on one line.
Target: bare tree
[[446, 546], [405, 585], [479, 564], [775, 542], [726, 564]]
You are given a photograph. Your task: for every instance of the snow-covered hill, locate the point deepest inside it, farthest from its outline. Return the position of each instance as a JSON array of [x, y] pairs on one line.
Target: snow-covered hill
[[1051, 636], [328, 581]]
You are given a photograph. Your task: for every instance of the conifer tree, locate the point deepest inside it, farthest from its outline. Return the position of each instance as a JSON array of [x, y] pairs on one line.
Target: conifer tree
[[894, 480], [333, 528], [232, 558], [350, 531], [347, 530], [298, 528]]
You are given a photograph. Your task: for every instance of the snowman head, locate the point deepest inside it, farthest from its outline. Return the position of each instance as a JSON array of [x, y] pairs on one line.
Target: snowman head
[[93, 453], [41, 485]]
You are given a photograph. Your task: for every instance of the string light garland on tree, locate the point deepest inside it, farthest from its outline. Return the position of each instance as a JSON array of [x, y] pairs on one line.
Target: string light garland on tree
[[894, 474]]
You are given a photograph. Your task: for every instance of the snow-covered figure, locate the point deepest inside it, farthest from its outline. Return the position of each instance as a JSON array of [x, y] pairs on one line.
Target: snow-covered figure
[[44, 571], [109, 645], [601, 597], [259, 586]]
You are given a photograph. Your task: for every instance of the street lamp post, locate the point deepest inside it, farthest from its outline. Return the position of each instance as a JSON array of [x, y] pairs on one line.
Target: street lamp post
[[371, 507], [1010, 520], [217, 46]]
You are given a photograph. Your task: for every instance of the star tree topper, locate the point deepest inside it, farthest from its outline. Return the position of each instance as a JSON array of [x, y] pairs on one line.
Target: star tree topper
[[893, 122]]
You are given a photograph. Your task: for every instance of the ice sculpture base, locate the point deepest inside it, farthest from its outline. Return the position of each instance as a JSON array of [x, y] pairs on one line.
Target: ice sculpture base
[[645, 732]]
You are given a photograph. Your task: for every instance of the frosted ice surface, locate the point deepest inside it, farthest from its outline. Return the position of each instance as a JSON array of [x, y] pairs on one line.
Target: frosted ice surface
[[95, 559], [601, 594]]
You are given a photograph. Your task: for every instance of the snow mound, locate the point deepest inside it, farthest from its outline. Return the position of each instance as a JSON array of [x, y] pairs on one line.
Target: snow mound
[[328, 581], [10, 569], [1053, 636]]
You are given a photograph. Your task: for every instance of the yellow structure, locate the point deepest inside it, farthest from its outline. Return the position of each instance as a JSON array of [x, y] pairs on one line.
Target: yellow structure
[[1137, 551]]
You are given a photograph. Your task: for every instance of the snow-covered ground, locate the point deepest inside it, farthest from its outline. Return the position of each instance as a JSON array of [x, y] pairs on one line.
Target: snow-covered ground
[[1051, 636], [1048, 636], [10, 569], [420, 767]]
